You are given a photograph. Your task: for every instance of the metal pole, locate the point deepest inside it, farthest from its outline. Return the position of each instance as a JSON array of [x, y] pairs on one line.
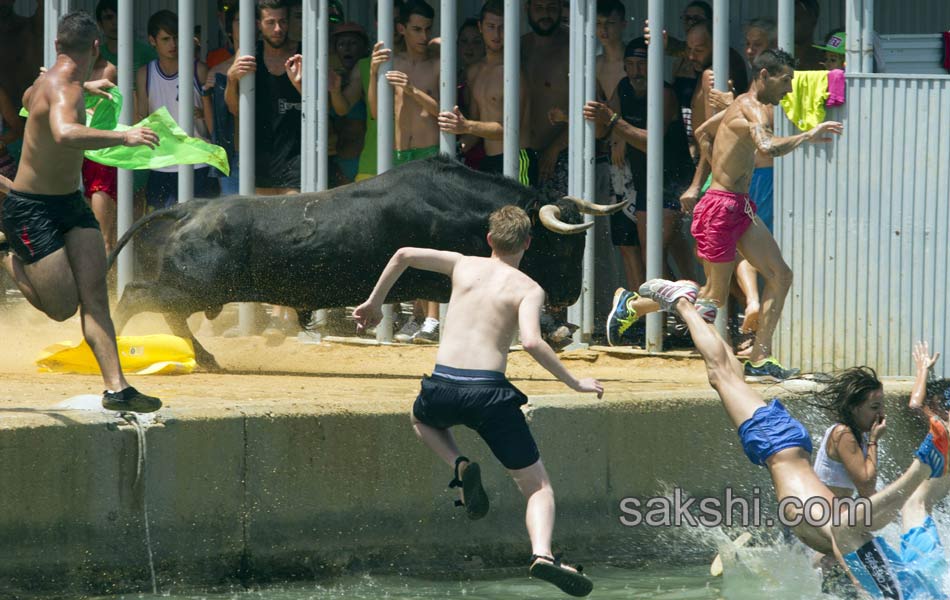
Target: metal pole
[[246, 107], [854, 9], [186, 91], [590, 93], [512, 103], [867, 38], [721, 44], [575, 138], [51, 15], [126, 117], [448, 86], [309, 97], [384, 134], [655, 131], [786, 25], [721, 75], [448, 90], [322, 74]]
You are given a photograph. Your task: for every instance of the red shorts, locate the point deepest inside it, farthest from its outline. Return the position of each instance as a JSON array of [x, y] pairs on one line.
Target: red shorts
[[719, 220], [99, 178]]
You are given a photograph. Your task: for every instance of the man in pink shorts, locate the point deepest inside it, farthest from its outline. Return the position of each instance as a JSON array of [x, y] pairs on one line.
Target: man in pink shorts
[[725, 221]]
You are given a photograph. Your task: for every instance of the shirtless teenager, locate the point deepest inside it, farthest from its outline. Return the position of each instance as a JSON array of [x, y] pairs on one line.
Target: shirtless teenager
[[57, 258], [545, 55], [486, 82], [725, 217], [468, 385], [771, 437], [415, 80]]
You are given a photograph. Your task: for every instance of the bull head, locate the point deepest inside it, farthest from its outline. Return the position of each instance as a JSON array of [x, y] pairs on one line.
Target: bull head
[[550, 214]]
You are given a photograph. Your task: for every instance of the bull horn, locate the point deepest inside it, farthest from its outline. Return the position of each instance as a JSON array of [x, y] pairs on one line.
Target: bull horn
[[550, 216], [598, 210]]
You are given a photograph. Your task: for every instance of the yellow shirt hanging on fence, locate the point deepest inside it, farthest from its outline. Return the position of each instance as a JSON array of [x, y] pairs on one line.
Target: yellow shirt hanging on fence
[[805, 104]]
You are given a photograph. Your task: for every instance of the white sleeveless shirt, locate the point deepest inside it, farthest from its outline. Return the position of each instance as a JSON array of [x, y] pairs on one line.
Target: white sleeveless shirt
[[162, 90], [832, 472]]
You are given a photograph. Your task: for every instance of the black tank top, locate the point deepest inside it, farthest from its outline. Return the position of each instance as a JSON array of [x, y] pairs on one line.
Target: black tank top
[[277, 128], [677, 162]]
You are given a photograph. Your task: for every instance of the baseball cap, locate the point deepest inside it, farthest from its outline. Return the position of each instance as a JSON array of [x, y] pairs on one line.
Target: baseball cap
[[834, 44]]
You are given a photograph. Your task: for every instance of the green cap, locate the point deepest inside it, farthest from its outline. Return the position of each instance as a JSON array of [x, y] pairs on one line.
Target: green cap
[[834, 44]]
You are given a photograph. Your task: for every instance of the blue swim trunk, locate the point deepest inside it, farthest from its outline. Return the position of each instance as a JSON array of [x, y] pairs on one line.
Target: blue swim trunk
[[915, 573], [762, 192], [770, 430]]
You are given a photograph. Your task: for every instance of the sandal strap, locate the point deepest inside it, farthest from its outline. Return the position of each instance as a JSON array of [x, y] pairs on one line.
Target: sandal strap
[[459, 503], [457, 482], [556, 560]]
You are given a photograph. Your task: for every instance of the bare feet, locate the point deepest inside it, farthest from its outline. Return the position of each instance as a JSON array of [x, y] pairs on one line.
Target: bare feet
[[751, 321]]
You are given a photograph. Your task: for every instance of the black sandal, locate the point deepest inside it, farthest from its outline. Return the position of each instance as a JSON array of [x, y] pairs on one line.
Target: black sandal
[[476, 500], [551, 570]]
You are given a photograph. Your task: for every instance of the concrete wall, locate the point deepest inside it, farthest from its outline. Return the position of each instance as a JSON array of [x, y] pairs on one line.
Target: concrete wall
[[247, 495]]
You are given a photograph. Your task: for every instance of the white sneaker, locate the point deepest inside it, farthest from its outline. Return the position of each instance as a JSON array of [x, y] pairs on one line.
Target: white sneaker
[[428, 333], [409, 329]]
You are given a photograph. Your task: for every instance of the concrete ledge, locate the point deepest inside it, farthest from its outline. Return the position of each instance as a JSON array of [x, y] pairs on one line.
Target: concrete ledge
[[250, 495]]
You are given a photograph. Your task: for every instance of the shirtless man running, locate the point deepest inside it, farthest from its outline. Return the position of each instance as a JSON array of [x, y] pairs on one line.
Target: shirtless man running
[[725, 217], [468, 385], [771, 437], [58, 260]]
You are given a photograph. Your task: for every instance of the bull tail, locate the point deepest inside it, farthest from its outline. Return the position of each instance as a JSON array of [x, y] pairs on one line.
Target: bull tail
[[165, 213]]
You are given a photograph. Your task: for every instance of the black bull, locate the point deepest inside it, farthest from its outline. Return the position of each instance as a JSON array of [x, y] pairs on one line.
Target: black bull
[[326, 249]]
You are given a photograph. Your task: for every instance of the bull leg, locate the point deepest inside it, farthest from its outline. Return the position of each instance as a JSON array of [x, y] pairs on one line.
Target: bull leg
[[179, 325], [136, 298]]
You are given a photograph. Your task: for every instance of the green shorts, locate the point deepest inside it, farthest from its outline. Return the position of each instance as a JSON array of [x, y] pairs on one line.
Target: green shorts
[[401, 157]]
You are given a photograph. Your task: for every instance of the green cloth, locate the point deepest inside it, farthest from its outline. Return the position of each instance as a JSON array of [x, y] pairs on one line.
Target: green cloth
[[706, 185], [174, 146], [805, 104], [401, 157], [367, 166]]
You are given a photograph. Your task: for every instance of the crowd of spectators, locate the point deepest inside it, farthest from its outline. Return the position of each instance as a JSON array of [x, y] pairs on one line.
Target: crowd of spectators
[[274, 60]]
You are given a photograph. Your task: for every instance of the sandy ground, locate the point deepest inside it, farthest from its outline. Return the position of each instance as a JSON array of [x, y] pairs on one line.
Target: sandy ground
[[353, 377]]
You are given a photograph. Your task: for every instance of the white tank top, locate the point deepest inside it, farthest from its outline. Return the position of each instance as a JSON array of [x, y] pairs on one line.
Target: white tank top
[[162, 90], [832, 472]]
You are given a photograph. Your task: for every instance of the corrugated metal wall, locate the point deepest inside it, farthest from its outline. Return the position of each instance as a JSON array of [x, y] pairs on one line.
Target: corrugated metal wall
[[864, 224]]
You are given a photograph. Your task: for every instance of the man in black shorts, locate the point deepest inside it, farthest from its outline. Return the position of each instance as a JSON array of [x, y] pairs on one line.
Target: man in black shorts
[[58, 258], [491, 298]]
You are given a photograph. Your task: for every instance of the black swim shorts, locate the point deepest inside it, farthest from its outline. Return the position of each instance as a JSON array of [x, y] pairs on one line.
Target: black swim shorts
[[492, 407], [35, 224]]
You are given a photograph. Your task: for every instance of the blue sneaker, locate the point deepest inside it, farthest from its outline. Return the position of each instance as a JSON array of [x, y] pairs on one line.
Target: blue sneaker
[[933, 450], [768, 371], [621, 316]]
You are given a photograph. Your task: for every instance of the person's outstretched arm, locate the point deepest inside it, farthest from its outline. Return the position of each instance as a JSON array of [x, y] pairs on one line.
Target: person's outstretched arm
[[768, 143], [924, 362], [529, 321], [370, 312]]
